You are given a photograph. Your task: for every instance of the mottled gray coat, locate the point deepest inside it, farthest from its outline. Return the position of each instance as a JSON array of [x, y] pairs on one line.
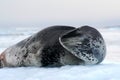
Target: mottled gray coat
[[57, 46]]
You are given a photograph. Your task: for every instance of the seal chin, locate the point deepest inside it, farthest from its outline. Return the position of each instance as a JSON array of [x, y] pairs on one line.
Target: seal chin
[[86, 43]]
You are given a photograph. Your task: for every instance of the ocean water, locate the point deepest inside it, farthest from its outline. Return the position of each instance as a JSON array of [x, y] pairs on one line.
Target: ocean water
[[109, 69]]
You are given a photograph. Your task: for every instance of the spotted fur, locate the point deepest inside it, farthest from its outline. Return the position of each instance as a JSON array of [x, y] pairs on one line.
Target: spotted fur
[[86, 43]]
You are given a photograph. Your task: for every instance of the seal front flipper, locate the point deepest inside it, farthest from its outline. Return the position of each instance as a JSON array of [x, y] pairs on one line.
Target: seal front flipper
[[86, 43]]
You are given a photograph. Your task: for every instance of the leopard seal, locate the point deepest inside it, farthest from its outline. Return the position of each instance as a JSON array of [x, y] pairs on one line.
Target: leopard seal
[[57, 46]]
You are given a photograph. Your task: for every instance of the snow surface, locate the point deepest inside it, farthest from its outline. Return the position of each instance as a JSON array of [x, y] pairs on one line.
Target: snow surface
[[109, 69]]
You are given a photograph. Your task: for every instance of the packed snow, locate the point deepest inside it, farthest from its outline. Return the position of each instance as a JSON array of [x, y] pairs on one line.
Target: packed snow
[[109, 69]]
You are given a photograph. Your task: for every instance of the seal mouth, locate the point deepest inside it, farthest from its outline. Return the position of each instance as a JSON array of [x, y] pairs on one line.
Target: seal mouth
[[86, 43]]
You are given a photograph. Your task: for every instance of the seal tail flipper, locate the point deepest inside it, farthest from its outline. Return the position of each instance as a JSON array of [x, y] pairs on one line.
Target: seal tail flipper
[[86, 43], [1, 58], [0, 61]]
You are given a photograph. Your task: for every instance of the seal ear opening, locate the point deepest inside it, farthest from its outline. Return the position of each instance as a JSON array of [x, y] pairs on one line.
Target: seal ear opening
[[86, 43]]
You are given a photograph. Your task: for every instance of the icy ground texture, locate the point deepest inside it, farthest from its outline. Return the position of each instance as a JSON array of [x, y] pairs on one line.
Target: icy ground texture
[[109, 69], [106, 71]]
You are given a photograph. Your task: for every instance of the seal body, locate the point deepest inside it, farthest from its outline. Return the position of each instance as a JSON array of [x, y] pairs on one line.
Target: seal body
[[40, 49], [56, 46]]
